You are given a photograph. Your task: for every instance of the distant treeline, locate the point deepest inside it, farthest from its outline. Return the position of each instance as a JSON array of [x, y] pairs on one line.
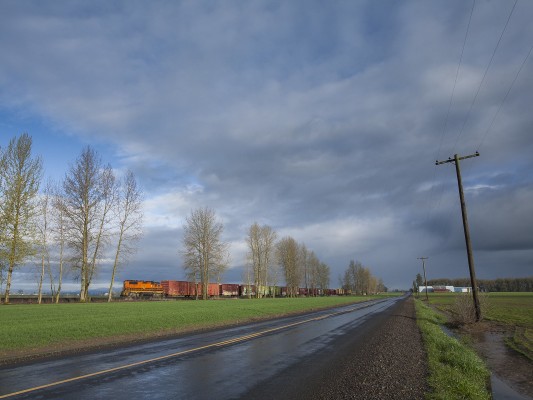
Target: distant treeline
[[489, 285]]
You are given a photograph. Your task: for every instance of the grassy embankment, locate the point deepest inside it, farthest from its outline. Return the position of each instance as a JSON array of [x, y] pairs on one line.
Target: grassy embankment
[[512, 310], [455, 371], [31, 327]]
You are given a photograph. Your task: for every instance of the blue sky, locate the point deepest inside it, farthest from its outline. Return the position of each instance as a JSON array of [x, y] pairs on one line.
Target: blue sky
[[322, 120]]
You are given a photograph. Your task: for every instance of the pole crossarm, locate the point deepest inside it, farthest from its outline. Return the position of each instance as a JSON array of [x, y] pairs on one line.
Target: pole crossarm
[[449, 160]]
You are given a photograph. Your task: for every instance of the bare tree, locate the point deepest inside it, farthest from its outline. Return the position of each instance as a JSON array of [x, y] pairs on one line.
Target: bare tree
[[108, 197], [372, 287], [313, 272], [359, 277], [83, 197], [247, 276], [44, 245], [203, 250], [253, 265], [288, 258], [363, 281], [347, 282], [323, 276], [59, 234], [359, 280], [20, 177], [304, 265], [352, 277], [273, 278], [129, 210], [2, 223], [261, 242]]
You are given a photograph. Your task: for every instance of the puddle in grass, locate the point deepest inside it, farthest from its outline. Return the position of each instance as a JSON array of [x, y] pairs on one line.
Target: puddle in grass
[[512, 373]]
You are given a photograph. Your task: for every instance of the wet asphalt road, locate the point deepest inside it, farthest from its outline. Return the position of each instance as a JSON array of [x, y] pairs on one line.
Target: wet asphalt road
[[242, 362]]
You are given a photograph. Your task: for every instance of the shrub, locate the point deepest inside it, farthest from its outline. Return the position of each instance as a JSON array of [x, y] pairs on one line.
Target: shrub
[[463, 311]]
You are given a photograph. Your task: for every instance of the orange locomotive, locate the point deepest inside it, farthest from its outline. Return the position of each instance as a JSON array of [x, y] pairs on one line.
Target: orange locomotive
[[141, 289]]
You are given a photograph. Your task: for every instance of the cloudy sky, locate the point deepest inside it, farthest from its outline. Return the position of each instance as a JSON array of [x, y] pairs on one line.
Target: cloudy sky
[[321, 119]]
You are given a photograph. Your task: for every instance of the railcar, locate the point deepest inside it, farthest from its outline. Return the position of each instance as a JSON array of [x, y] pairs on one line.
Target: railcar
[[185, 289], [212, 289], [229, 289], [178, 288], [133, 288], [247, 290]]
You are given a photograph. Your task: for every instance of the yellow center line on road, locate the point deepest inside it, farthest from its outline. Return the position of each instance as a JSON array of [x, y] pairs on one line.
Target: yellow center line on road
[[177, 354]]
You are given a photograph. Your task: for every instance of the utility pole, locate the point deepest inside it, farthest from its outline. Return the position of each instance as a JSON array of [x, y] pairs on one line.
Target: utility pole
[[455, 160], [425, 280]]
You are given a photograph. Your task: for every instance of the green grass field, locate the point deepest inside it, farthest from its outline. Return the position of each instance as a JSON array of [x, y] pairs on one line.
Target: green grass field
[[507, 308], [513, 310], [32, 327]]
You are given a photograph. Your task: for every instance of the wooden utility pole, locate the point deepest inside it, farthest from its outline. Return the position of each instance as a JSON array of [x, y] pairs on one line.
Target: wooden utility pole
[[425, 280], [473, 282]]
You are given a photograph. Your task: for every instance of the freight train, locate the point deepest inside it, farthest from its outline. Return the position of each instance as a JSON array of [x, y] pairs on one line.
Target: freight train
[[184, 289]]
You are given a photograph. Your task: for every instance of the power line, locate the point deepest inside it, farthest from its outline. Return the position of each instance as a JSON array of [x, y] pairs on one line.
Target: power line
[[455, 81], [473, 100], [430, 196], [484, 76], [505, 98]]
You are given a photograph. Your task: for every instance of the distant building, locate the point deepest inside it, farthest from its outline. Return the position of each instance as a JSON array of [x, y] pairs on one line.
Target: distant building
[[442, 289], [462, 289]]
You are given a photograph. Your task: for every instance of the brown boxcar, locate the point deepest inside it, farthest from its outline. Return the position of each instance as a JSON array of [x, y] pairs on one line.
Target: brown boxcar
[[212, 289], [245, 290], [229, 289], [178, 288]]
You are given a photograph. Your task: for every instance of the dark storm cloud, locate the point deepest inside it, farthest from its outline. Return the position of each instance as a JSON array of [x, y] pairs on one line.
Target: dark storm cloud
[[323, 121]]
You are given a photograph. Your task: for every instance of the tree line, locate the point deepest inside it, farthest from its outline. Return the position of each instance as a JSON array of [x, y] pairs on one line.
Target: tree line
[[489, 285], [77, 221], [206, 257], [358, 280], [92, 213]]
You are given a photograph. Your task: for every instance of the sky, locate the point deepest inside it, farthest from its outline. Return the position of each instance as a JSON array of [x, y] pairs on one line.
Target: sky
[[321, 119]]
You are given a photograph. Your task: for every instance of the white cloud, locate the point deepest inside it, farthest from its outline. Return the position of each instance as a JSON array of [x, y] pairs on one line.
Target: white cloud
[[168, 210]]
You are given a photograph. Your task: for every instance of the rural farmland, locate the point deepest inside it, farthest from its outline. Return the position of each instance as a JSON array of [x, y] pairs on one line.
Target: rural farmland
[[266, 199]]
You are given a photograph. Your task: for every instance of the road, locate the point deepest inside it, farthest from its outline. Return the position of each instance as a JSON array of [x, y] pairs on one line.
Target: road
[[262, 360]]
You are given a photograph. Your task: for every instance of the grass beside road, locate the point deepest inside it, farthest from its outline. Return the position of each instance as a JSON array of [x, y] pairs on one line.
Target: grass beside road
[[31, 327], [513, 310], [455, 371]]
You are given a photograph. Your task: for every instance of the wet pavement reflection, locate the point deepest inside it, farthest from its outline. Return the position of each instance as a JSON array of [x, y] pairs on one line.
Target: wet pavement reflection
[[221, 364]]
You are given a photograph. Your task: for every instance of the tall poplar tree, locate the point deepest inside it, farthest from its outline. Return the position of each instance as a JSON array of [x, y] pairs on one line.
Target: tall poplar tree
[[204, 252], [20, 177], [129, 215], [261, 243], [82, 206], [289, 261]]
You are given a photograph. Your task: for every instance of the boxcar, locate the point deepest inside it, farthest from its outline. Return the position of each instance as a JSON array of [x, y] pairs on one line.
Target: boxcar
[[212, 289], [247, 290], [229, 289], [178, 288]]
